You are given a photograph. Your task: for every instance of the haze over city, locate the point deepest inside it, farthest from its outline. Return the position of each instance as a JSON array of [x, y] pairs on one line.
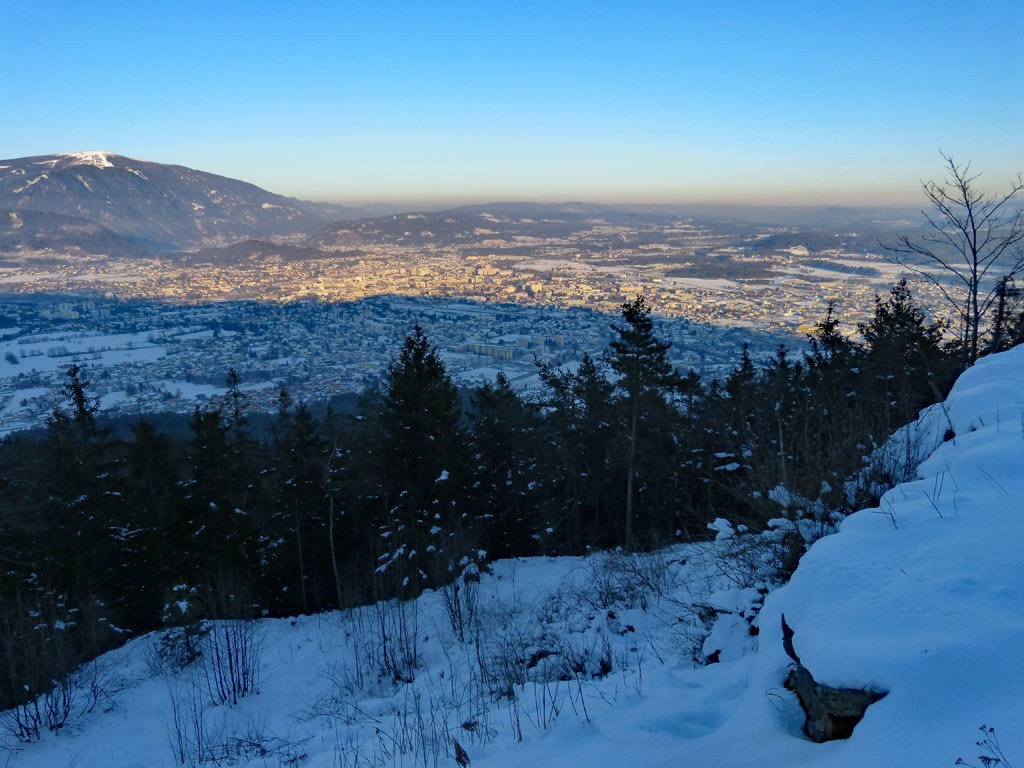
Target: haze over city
[[440, 103]]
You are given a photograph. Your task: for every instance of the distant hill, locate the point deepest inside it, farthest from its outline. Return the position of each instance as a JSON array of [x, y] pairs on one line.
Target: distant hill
[[28, 231], [258, 252], [503, 224], [166, 206], [450, 227], [509, 226], [861, 218]]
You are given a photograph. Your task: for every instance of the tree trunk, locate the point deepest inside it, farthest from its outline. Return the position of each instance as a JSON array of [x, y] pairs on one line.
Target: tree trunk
[[302, 566], [330, 540], [631, 460]]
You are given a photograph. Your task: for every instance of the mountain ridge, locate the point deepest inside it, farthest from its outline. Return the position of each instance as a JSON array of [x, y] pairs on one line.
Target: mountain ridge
[[167, 206]]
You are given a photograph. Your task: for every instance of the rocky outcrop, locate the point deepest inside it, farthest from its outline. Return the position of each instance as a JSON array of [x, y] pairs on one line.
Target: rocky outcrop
[[832, 713]]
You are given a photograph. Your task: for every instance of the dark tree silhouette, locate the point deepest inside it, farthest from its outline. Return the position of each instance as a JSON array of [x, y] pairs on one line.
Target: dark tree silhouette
[[647, 378]]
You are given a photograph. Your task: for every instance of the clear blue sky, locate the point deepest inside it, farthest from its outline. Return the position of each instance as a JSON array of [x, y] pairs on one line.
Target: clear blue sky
[[770, 102]]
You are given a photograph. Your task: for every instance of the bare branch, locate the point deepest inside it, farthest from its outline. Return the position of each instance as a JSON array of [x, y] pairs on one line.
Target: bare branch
[[977, 230]]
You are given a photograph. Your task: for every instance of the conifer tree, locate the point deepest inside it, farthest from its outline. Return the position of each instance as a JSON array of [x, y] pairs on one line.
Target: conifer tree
[[299, 504], [84, 517], [150, 487], [221, 460], [423, 456], [505, 482], [647, 379], [578, 450], [904, 355]]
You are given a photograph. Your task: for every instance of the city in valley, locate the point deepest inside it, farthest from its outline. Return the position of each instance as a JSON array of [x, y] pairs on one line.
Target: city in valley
[[496, 288]]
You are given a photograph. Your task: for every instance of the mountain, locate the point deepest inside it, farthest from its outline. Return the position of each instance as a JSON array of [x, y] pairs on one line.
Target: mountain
[[167, 206], [258, 252], [442, 228], [500, 224], [32, 231], [861, 218]]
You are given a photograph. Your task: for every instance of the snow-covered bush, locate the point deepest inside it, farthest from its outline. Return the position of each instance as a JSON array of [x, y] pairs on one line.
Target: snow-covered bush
[[179, 642]]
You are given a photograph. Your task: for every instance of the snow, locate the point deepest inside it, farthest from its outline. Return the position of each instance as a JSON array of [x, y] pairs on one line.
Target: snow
[[190, 391], [113, 398], [53, 351], [702, 283], [14, 403], [922, 597], [722, 527], [95, 158]]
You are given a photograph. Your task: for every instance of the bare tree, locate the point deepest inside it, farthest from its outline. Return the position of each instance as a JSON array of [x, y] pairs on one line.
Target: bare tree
[[975, 241]]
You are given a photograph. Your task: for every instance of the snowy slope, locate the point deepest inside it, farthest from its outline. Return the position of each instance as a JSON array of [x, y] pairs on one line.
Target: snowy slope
[[923, 598]]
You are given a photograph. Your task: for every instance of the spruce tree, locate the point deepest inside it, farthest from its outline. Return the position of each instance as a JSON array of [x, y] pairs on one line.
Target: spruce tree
[[647, 380], [423, 458], [904, 355], [577, 452], [299, 507], [505, 484]]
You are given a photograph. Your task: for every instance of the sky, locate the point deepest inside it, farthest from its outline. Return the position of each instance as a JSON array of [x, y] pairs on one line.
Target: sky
[[780, 102]]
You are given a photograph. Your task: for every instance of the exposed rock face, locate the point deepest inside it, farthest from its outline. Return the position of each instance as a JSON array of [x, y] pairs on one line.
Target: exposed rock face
[[831, 713]]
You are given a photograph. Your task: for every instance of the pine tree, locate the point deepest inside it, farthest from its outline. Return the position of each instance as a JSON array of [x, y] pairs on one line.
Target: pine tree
[[149, 483], [904, 355], [221, 460], [1006, 330], [578, 451], [299, 505], [423, 455], [505, 484], [647, 380], [84, 517]]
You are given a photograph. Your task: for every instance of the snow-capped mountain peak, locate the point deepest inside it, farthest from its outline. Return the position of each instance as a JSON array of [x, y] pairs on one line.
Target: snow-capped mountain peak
[[97, 158]]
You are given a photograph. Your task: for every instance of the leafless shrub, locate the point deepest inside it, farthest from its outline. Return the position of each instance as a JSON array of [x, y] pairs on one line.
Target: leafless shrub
[[190, 733], [501, 657], [397, 627], [199, 734], [992, 753], [547, 699], [50, 673], [625, 580], [743, 561], [232, 650], [461, 601], [231, 646]]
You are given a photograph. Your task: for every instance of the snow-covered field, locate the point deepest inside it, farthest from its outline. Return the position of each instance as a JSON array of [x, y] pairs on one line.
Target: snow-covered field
[[600, 661], [53, 351]]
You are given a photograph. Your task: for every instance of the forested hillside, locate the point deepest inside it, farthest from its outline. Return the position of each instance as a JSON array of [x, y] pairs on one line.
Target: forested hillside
[[102, 536], [645, 657]]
